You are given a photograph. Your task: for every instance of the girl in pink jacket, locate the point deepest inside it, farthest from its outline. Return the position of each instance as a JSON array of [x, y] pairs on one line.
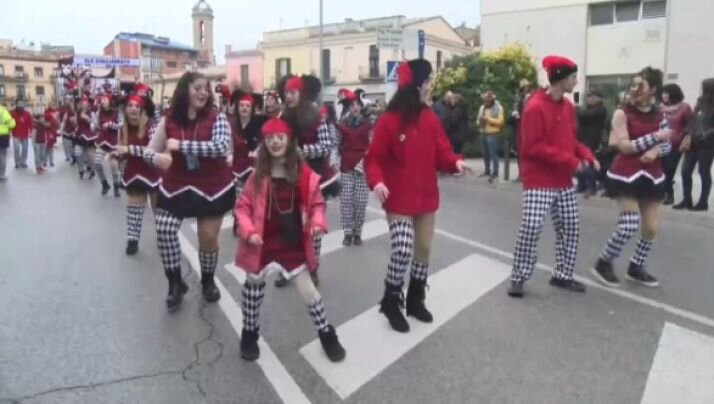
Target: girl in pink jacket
[[279, 213]]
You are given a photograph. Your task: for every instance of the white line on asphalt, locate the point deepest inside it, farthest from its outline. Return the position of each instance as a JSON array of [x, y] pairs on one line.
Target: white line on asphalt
[[226, 224], [682, 368], [284, 385], [689, 315], [372, 346]]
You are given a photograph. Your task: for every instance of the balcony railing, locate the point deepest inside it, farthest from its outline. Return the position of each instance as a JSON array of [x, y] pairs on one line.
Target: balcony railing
[[367, 75], [17, 77]]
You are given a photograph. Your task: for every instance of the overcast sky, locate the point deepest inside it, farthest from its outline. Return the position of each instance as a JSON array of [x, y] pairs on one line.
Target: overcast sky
[[90, 25]]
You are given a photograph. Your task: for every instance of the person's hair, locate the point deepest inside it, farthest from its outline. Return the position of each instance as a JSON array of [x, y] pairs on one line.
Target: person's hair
[[675, 93], [706, 101], [407, 103], [331, 114], [264, 164], [181, 99], [653, 77], [303, 118], [143, 122]]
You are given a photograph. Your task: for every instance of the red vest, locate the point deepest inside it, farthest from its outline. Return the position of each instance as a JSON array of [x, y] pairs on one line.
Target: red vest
[[320, 165], [136, 168], [211, 179], [242, 164], [355, 142], [107, 137], [628, 167], [84, 129]]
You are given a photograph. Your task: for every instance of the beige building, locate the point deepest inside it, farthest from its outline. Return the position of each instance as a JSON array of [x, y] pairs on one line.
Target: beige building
[[165, 88], [27, 74], [352, 58]]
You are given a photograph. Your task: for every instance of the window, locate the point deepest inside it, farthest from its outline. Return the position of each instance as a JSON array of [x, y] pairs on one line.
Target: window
[[21, 92], [654, 9], [439, 57], [171, 65], [40, 90], [2, 90], [39, 73], [244, 76], [2, 70], [629, 11], [282, 68], [19, 69], [601, 14], [188, 67], [326, 64], [373, 61]]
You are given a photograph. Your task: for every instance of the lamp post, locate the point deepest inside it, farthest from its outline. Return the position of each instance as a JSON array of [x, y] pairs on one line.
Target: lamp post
[[322, 64]]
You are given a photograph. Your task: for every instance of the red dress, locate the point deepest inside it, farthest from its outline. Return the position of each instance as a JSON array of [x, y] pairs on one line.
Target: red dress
[[107, 136], [139, 176], [283, 197]]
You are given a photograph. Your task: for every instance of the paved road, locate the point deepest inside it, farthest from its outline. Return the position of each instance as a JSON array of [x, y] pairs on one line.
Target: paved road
[[82, 323]]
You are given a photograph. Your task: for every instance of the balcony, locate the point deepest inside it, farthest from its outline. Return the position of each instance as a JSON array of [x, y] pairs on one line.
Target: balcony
[[367, 75], [329, 78], [17, 77]]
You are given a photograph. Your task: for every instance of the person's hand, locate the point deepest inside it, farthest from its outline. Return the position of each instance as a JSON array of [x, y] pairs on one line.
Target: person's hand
[[463, 168], [255, 240], [172, 145], [316, 231], [381, 192], [665, 134], [651, 156], [253, 154], [596, 165], [121, 150], [229, 159], [686, 144], [163, 160], [581, 167]]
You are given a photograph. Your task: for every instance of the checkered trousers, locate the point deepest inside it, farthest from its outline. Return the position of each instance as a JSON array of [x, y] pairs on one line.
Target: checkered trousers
[[167, 228], [562, 205], [353, 202], [401, 233]]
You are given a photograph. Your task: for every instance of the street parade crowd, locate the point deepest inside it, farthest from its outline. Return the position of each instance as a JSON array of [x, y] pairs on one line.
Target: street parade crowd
[[272, 160]]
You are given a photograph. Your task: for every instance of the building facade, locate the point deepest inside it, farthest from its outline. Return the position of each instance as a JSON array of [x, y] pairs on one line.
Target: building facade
[[164, 89], [610, 40], [244, 69], [351, 56], [27, 74]]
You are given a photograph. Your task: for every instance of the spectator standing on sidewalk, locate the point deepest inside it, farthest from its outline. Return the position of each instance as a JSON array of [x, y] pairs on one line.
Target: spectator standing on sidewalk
[[7, 123], [21, 133], [524, 92], [442, 109], [592, 124], [491, 122], [458, 130], [679, 115]]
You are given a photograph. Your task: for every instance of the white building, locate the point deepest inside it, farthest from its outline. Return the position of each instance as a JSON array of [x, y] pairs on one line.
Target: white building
[[610, 40]]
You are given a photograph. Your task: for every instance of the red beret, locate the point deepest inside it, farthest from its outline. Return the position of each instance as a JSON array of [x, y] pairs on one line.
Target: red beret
[[275, 126], [247, 98], [294, 83], [136, 99]]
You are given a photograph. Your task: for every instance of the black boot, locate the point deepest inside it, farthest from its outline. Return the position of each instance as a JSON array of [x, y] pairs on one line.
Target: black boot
[[357, 240], [638, 274], [516, 290], [249, 349], [685, 204], [177, 288], [116, 191], [132, 247], [702, 206], [415, 301], [92, 174], [568, 284], [347, 241], [391, 305], [331, 345], [668, 199], [105, 188], [209, 289], [281, 281]]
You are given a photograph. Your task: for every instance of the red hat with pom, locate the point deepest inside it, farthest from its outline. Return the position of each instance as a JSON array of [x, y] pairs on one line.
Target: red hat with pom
[[559, 68], [413, 73], [136, 99]]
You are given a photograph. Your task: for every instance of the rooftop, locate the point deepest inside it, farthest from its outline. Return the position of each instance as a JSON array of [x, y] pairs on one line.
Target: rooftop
[[154, 41]]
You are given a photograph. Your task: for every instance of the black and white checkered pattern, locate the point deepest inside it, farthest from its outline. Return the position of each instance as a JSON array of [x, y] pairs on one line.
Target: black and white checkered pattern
[[323, 145], [420, 270], [209, 261], [642, 251], [252, 298], [627, 225], [563, 207], [317, 247], [218, 146], [353, 202], [316, 310], [99, 156], [167, 228], [401, 233], [81, 153], [134, 218]]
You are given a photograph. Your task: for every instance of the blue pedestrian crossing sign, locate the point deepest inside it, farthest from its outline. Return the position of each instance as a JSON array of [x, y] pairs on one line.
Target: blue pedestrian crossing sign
[[392, 66]]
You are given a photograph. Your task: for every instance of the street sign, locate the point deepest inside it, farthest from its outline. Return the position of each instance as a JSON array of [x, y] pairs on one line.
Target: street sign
[[422, 43], [106, 61], [389, 38], [392, 76]]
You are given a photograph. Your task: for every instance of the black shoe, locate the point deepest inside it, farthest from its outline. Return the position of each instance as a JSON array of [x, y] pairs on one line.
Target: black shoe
[[357, 240], [700, 207], [249, 349], [569, 284], [391, 305], [347, 241], [132, 247], [638, 274], [105, 188], [331, 345], [209, 289], [281, 282], [516, 290], [605, 273], [668, 199], [116, 191], [177, 288], [685, 204], [416, 295]]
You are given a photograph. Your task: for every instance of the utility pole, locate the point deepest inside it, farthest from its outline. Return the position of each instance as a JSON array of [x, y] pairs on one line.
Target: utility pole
[[321, 73]]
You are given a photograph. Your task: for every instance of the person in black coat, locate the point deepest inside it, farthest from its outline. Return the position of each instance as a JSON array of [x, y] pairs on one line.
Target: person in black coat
[[592, 124]]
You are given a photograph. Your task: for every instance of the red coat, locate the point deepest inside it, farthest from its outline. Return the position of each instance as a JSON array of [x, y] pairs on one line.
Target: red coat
[[406, 158], [549, 150], [23, 123], [51, 118]]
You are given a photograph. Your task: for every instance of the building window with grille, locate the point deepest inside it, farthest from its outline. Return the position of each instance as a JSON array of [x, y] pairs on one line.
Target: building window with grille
[[2, 90], [282, 68], [2, 70], [626, 12], [373, 61], [244, 76], [21, 93], [654, 9], [439, 60], [171, 65], [326, 64], [40, 90], [39, 73]]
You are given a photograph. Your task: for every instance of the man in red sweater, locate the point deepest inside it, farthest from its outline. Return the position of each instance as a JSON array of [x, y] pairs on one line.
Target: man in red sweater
[[21, 133], [550, 155]]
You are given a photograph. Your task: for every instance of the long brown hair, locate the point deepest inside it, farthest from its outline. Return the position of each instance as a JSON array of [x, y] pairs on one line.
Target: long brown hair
[[264, 163], [706, 101], [143, 122], [181, 99]]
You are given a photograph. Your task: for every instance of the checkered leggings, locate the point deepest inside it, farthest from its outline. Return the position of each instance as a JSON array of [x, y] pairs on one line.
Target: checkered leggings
[[353, 202], [563, 207], [99, 158], [627, 225], [134, 218], [167, 228]]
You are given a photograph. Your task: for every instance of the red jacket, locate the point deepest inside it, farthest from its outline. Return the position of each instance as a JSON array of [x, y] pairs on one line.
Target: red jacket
[[23, 123], [406, 158], [549, 150]]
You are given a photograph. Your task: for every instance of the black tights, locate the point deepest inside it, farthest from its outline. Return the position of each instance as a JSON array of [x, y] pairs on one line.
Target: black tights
[[704, 158]]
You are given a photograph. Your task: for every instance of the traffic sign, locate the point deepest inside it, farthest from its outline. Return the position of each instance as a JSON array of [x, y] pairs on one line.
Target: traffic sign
[[392, 66], [389, 38]]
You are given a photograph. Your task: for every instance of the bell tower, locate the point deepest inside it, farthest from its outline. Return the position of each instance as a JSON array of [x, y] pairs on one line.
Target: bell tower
[[202, 17]]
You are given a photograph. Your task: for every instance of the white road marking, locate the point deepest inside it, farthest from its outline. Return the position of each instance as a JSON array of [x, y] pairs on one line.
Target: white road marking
[[682, 369], [284, 385], [689, 315], [226, 224], [372, 346]]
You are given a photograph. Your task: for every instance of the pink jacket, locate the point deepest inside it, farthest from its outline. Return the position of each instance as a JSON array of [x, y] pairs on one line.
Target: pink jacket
[[250, 211]]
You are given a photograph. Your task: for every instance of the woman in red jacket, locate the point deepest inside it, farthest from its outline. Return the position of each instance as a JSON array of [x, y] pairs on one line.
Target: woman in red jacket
[[408, 149]]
